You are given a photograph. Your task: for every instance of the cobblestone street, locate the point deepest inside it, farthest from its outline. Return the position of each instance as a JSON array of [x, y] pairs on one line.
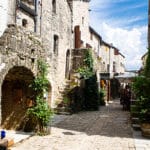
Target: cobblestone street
[[106, 129]]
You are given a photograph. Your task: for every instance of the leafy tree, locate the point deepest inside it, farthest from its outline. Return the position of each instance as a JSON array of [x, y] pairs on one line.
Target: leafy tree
[[141, 87]]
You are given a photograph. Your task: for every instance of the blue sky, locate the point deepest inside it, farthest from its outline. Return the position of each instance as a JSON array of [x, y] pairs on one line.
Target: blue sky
[[123, 23]]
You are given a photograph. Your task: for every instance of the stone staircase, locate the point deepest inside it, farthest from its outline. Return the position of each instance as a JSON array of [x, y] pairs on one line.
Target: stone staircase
[[63, 106], [134, 116]]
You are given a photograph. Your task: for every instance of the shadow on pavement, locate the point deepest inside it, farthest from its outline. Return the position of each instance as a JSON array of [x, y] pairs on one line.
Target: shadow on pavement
[[109, 121]]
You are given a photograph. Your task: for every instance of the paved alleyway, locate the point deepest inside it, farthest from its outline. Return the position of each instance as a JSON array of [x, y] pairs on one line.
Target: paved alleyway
[[107, 129]]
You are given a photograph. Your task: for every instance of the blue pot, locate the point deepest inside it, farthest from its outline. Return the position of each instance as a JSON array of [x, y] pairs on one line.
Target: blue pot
[[3, 134]]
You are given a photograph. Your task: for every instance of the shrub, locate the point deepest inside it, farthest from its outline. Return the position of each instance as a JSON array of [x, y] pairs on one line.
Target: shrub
[[40, 112], [101, 97], [91, 94]]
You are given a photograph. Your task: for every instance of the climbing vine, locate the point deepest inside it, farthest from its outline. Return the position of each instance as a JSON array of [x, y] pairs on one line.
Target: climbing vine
[[87, 70], [40, 112], [91, 95]]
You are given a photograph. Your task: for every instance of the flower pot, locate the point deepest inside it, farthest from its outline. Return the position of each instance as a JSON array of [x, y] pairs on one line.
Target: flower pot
[[145, 128]]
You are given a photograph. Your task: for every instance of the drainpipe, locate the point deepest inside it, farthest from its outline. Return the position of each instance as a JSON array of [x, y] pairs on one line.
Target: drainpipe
[[36, 17]]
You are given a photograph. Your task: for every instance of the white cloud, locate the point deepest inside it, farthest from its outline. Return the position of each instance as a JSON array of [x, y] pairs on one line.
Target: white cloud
[[129, 42], [127, 33]]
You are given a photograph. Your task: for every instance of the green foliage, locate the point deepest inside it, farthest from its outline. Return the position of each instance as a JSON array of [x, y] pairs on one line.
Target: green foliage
[[144, 109], [101, 97], [141, 87], [41, 112], [91, 94], [40, 83], [89, 60], [87, 70], [66, 100]]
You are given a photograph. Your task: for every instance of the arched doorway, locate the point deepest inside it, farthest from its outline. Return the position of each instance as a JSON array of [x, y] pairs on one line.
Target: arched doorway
[[15, 94]]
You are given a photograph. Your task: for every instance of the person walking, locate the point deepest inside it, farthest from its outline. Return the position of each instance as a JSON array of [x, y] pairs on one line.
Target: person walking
[[126, 98]]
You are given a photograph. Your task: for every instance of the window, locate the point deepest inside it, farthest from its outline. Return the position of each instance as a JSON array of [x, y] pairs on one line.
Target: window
[[54, 6], [82, 20], [24, 22], [114, 67], [55, 46], [108, 67]]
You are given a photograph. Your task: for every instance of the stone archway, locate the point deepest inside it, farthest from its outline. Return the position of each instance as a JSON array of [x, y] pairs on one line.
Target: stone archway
[[15, 94]]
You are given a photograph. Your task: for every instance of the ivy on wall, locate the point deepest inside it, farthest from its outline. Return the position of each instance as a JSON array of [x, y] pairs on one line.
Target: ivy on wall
[[86, 71], [91, 94], [40, 112]]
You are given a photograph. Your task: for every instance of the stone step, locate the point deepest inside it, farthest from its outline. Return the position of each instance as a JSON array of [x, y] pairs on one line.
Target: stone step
[[134, 114], [136, 127], [62, 111], [63, 88], [135, 120]]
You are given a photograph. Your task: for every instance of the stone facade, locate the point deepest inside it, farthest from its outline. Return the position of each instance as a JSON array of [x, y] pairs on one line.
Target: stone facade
[[20, 50], [49, 29], [20, 53], [57, 26], [119, 62], [112, 61], [81, 18], [3, 13]]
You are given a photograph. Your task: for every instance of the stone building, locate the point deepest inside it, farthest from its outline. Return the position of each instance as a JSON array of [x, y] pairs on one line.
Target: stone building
[[112, 64], [57, 31], [32, 29], [143, 58]]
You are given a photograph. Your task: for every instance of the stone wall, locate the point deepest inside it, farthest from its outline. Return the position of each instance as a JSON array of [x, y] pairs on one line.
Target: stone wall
[[49, 25], [19, 50], [81, 18], [56, 24], [3, 15]]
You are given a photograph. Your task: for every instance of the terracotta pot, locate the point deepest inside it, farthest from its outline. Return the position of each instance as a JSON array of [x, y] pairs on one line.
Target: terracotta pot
[[145, 128]]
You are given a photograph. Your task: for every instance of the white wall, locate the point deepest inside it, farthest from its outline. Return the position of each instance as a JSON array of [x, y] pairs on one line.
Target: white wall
[[81, 18], [120, 61], [3, 15]]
